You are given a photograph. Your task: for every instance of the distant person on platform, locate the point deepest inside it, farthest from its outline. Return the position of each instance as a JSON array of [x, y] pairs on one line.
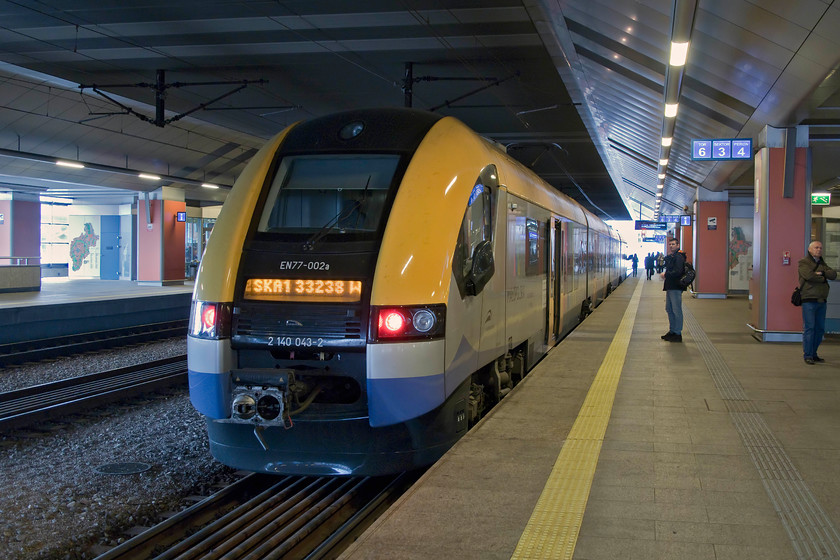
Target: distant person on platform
[[635, 260], [649, 266], [674, 269], [814, 275]]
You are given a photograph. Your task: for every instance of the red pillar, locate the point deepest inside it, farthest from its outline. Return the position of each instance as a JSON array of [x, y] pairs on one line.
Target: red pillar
[[781, 227], [161, 239], [20, 237], [711, 248]]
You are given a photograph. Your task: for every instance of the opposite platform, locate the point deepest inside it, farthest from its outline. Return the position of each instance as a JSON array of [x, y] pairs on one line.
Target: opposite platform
[[68, 307], [719, 447]]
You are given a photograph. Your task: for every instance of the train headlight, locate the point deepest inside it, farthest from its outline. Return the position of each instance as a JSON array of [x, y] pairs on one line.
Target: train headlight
[[407, 323], [424, 320], [350, 131], [210, 320]]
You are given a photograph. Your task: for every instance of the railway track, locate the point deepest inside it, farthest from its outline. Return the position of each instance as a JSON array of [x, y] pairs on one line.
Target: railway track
[[265, 517], [37, 350], [25, 407]]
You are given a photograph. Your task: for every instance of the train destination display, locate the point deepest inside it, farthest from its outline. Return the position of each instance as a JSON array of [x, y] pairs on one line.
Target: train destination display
[[303, 289]]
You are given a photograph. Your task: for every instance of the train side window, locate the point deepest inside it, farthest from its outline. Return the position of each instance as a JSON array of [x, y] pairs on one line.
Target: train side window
[[475, 227]]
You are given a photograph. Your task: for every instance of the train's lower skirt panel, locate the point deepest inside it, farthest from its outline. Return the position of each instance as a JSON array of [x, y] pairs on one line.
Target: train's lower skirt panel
[[342, 446]]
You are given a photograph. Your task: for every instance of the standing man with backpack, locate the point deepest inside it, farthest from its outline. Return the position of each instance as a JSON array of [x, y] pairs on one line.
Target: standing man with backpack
[[814, 275], [674, 269]]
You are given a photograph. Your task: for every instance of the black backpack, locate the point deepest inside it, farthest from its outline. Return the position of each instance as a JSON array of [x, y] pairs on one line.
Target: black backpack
[[689, 275]]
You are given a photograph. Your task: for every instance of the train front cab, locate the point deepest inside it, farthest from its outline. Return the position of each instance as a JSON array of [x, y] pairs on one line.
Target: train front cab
[[371, 403]]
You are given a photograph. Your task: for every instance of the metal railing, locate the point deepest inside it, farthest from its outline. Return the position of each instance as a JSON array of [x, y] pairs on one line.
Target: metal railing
[[20, 261]]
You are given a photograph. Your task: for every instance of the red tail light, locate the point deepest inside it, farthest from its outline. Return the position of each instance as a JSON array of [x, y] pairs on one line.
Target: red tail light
[[208, 317], [391, 322], [407, 322], [210, 320]]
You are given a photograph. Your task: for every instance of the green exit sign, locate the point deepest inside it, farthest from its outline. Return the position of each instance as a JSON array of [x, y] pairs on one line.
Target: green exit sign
[[823, 199]]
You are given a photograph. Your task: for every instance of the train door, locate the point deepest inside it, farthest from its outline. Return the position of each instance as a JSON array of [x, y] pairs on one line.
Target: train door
[[558, 266], [492, 337], [551, 275], [476, 318]]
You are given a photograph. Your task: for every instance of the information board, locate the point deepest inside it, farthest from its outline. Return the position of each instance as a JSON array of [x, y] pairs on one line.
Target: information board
[[655, 226], [723, 149]]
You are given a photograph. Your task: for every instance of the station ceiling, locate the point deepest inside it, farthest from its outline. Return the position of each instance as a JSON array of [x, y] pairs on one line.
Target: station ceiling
[[575, 89]]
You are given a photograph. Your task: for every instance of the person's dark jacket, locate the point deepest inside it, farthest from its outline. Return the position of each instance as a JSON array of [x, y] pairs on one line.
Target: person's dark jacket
[[815, 286], [674, 269]]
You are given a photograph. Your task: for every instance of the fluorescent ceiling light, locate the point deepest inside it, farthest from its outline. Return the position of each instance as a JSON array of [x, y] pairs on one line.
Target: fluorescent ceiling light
[[679, 52], [660, 186], [663, 162], [661, 175], [149, 177], [56, 200], [73, 164], [209, 186], [667, 141], [671, 109]]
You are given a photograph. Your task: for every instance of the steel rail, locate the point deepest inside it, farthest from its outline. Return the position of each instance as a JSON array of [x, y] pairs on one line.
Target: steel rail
[[27, 406], [36, 350]]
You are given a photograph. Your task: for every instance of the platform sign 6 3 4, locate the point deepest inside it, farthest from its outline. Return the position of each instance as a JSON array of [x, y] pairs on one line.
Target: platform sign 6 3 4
[[725, 149]]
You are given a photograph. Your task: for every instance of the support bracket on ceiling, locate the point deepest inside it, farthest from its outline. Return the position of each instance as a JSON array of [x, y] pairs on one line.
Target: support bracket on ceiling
[[160, 86]]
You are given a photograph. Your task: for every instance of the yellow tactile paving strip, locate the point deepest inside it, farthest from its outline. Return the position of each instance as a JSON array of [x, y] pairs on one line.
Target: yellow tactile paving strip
[[553, 529]]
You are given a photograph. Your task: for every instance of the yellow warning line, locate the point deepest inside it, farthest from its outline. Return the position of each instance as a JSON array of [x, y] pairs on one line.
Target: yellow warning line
[[553, 529]]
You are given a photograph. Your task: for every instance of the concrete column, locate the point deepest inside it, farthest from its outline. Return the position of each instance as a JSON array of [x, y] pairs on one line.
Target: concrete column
[[161, 237], [781, 230]]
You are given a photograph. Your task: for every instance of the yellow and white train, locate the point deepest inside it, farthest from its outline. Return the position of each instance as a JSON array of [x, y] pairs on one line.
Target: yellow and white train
[[376, 280]]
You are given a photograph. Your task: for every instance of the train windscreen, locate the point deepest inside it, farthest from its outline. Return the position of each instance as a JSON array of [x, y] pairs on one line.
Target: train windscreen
[[329, 194]]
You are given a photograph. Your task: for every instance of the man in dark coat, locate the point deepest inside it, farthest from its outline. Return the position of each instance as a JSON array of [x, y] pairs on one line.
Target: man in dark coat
[[814, 275], [649, 265], [674, 269]]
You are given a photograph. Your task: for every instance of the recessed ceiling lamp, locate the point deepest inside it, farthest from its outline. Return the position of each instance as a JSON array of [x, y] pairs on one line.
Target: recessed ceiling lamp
[[671, 109], [667, 141], [679, 52], [73, 164]]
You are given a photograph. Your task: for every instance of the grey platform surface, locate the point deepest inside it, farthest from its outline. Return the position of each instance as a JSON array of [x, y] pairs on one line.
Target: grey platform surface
[[721, 447]]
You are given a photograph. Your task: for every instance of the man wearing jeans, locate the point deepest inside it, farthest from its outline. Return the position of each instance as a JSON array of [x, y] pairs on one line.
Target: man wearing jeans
[[674, 269], [814, 275]]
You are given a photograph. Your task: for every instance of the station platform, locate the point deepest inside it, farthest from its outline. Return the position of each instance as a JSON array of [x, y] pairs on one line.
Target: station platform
[[68, 307], [622, 445]]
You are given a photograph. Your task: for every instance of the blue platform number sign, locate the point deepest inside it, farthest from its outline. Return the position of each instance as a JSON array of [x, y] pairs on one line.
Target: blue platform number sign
[[741, 149], [723, 149], [701, 149]]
